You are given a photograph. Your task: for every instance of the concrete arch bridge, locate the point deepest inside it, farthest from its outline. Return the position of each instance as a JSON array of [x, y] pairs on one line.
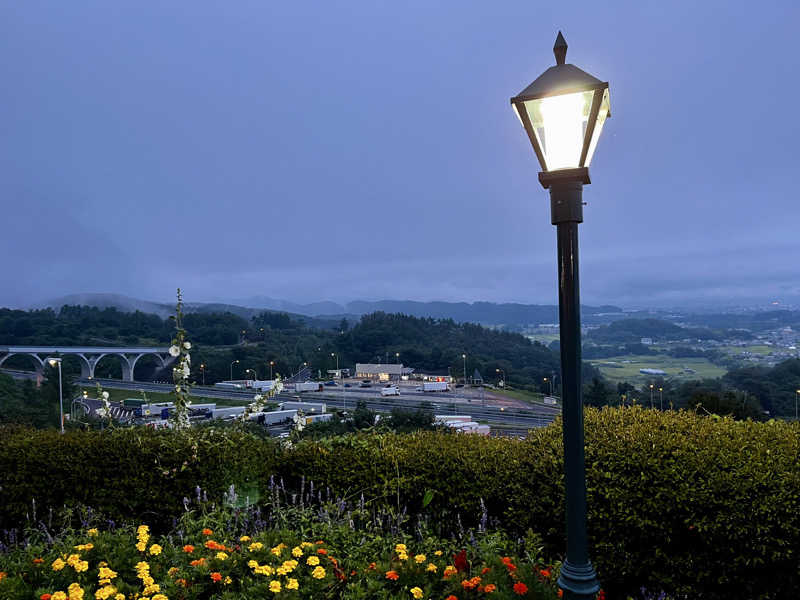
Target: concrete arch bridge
[[89, 356]]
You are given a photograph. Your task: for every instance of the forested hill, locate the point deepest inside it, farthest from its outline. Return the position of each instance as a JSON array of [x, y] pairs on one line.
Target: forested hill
[[632, 330], [425, 344], [438, 344]]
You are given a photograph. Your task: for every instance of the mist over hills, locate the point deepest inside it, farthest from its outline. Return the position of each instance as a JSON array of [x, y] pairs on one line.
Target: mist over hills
[[325, 313]]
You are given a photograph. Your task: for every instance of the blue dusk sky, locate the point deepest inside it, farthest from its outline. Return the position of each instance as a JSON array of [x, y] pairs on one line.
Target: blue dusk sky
[[367, 149]]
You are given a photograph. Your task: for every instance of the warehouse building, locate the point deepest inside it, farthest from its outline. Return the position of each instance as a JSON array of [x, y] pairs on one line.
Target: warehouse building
[[382, 372]]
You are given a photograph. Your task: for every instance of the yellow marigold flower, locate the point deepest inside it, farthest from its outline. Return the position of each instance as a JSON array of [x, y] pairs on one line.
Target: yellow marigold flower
[[81, 566], [449, 570], [105, 592], [252, 564], [119, 597], [155, 549], [142, 529], [255, 546], [431, 567], [84, 546], [141, 546], [278, 549], [227, 581], [159, 597], [153, 587], [420, 558], [106, 573], [172, 570], [58, 596], [438, 553], [142, 566], [274, 586], [318, 573], [402, 556], [282, 571], [221, 555], [297, 551], [264, 570], [58, 564], [312, 561], [292, 584], [400, 548], [92, 532], [73, 559], [306, 544], [416, 592], [244, 538]]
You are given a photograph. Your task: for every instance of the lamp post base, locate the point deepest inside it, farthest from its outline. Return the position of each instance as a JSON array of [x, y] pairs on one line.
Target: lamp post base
[[579, 582]]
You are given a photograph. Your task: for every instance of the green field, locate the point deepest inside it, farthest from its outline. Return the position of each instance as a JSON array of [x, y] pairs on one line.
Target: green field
[[626, 368], [760, 350]]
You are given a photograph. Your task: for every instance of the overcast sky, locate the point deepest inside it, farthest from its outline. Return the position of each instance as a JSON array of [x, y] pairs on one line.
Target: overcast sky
[[367, 149]]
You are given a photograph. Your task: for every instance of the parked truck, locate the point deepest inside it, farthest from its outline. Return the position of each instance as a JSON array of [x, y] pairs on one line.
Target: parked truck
[[434, 386], [308, 386], [391, 390]]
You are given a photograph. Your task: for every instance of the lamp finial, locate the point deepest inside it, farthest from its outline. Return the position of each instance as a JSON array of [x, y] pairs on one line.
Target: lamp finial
[[560, 49]]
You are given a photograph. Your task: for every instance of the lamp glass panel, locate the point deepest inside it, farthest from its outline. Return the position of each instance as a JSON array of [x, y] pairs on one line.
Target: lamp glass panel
[[559, 123], [602, 115]]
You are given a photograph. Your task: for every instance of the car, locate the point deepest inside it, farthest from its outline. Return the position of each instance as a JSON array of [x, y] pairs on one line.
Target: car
[[347, 385], [418, 388], [330, 383], [364, 385], [459, 385], [366, 380]]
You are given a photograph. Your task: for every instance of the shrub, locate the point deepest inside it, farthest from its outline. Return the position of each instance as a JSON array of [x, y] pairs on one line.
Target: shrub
[[688, 504]]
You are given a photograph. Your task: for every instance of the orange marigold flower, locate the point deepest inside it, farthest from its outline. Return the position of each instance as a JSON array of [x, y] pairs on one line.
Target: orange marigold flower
[[215, 576], [38, 561], [198, 562], [392, 575], [490, 588], [467, 584], [372, 566], [188, 548], [321, 551], [45, 597], [480, 589], [182, 582], [353, 572], [485, 570], [560, 593], [544, 573], [318, 542], [520, 588], [451, 597], [207, 531]]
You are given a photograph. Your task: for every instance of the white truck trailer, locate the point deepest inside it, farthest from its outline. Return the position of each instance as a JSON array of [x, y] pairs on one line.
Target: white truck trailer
[[308, 386], [391, 390], [307, 407], [434, 386]]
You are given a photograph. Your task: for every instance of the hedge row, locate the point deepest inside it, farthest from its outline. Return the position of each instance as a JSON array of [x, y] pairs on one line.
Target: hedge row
[[691, 505]]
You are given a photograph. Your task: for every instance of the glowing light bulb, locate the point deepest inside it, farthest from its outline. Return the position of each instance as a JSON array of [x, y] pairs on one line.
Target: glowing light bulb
[[563, 121]]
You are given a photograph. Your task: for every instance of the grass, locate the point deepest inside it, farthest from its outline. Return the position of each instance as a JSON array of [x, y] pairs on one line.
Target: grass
[[674, 368], [758, 349], [523, 395]]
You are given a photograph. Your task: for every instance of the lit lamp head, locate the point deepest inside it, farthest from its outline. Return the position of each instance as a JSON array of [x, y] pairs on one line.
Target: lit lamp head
[[563, 112], [54, 361]]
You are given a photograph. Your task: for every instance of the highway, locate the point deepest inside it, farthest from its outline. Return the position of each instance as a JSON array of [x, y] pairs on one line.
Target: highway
[[441, 403]]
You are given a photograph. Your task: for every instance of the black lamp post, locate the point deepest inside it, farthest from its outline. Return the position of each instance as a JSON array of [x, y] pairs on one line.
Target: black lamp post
[[563, 112]]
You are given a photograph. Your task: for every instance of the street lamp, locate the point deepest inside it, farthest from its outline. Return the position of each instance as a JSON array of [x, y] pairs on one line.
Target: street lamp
[[203, 371], [661, 398], [253, 371], [504, 377], [53, 362], [550, 379], [651, 395], [337, 362], [796, 394], [271, 364], [563, 112], [464, 356], [233, 363]]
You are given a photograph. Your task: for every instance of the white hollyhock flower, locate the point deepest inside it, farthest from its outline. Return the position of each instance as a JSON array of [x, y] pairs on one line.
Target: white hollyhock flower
[[188, 358], [105, 395], [174, 351], [101, 412], [185, 370], [187, 345]]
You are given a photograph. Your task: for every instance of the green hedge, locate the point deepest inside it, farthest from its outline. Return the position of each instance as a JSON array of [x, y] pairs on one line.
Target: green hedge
[[691, 505], [125, 474]]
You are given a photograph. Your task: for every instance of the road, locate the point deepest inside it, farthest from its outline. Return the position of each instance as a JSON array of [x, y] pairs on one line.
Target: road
[[442, 403]]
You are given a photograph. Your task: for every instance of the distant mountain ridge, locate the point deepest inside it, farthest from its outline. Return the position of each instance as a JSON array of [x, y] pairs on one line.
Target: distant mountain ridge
[[486, 313]]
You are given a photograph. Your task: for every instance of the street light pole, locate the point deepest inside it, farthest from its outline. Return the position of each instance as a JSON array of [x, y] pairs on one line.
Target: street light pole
[[651, 395], [203, 371], [563, 112], [233, 363], [53, 362], [271, 364], [464, 356], [661, 398], [796, 394]]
